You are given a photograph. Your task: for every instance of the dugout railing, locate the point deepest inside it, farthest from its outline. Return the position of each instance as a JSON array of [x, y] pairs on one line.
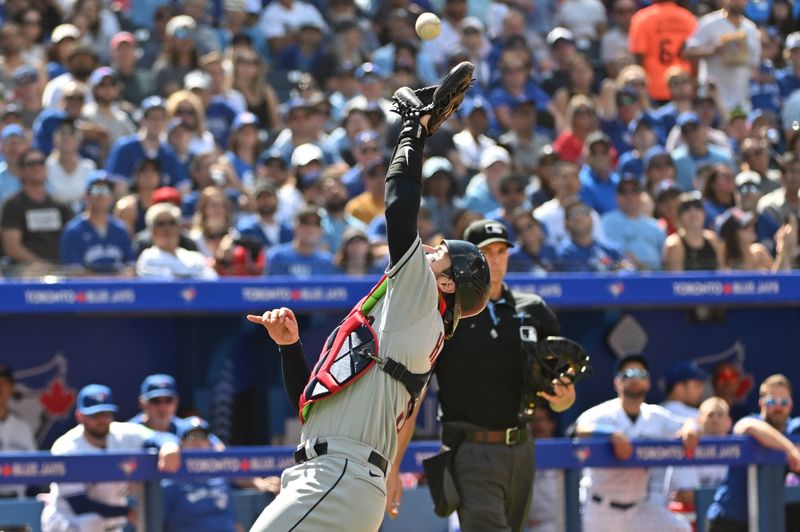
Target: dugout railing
[[767, 494]]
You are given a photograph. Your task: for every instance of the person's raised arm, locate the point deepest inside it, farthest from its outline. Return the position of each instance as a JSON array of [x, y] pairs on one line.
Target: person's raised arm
[[281, 324], [403, 193]]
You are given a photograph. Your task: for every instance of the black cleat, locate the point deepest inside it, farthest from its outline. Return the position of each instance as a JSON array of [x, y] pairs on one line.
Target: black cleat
[[439, 101]]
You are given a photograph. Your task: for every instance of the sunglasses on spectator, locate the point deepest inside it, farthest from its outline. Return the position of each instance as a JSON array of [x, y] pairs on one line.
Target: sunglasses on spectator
[[634, 373], [99, 190], [680, 81], [309, 221], [165, 223], [30, 163], [161, 400], [749, 188], [506, 191], [74, 97], [247, 61], [773, 402], [583, 111], [694, 204], [184, 111]]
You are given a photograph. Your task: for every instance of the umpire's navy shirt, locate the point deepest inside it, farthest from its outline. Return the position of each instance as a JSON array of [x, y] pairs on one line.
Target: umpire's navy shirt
[[480, 368]]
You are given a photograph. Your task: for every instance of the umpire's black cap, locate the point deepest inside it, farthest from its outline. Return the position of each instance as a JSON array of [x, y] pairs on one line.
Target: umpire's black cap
[[485, 232]]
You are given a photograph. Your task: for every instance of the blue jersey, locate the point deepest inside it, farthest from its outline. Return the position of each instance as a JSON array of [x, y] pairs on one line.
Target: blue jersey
[[200, 506], [599, 194], [788, 81], [499, 97], [244, 171], [593, 258], [250, 226], [630, 163], [219, 117], [82, 244], [285, 260], [128, 151], [521, 261], [44, 126]]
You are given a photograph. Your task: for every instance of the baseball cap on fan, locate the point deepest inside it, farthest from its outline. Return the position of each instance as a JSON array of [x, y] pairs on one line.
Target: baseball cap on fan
[[485, 232], [95, 398]]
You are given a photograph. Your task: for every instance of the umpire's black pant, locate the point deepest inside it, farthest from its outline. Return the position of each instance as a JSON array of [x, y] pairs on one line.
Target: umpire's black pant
[[495, 482]]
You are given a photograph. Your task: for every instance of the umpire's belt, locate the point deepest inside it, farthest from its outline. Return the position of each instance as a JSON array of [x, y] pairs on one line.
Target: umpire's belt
[[614, 504], [512, 436], [321, 448]]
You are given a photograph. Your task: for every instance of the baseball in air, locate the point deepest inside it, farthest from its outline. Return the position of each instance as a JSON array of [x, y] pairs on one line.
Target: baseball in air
[[428, 26]]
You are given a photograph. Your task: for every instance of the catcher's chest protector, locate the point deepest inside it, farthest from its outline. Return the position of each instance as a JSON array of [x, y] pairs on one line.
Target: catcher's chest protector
[[351, 349]]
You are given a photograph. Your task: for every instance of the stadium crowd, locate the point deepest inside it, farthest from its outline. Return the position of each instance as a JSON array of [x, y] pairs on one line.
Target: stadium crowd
[[200, 138]]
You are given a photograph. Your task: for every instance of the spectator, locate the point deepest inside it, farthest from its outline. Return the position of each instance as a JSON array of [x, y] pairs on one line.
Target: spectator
[[548, 499], [512, 200], [681, 93], [81, 62], [335, 221], [94, 242], [581, 252], [99, 506], [525, 144], [67, 171], [784, 202], [580, 80], [728, 46], [12, 58], [280, 21], [755, 156], [697, 152], [145, 180], [623, 418], [136, 82], [729, 510], [472, 141], [199, 505], [243, 147], [634, 233], [598, 180], [213, 223], [70, 106], [439, 192], [742, 252], [370, 204], [614, 43], [565, 184], [719, 193], [98, 25], [788, 78], [748, 187], [260, 97], [355, 256], [483, 190], [205, 37], [17, 433], [217, 67], [657, 37], [531, 254], [27, 93], [104, 109], [581, 120], [586, 19], [178, 56], [692, 247], [667, 200], [165, 259], [128, 151], [366, 148], [515, 84], [659, 167], [540, 190], [453, 13], [15, 141], [561, 44], [303, 257], [32, 35], [32, 221], [63, 38], [186, 106], [644, 137]]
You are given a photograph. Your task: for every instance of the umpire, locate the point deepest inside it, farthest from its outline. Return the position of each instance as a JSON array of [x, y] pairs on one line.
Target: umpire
[[480, 374]]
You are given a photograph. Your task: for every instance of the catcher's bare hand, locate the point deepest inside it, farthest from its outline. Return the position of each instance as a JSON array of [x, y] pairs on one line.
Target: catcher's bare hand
[[564, 392], [280, 323]]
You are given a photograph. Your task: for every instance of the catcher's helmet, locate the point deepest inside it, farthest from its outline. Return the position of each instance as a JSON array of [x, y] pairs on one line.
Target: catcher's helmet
[[471, 277]]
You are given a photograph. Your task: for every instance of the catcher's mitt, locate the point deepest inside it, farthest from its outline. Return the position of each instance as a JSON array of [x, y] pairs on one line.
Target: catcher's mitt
[[440, 101], [550, 359]]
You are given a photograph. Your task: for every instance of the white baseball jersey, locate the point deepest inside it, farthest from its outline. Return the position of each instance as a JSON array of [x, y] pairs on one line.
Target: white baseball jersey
[[15, 436], [410, 330], [121, 437], [660, 477], [624, 485]]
